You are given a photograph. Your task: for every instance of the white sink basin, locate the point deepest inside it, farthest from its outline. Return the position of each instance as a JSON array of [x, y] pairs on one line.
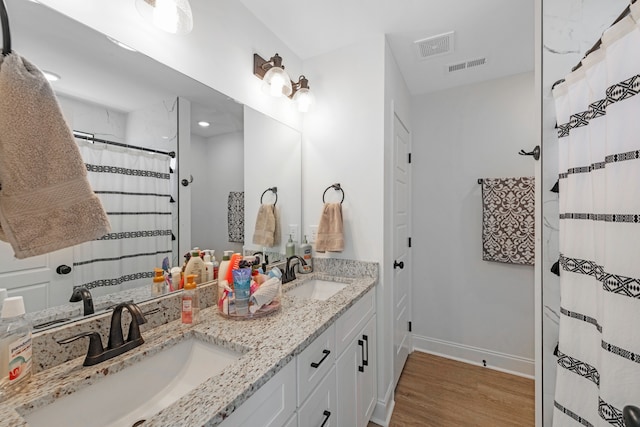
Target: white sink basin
[[317, 289], [139, 391]]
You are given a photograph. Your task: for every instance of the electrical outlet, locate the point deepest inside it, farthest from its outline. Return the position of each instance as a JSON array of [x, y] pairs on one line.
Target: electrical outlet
[[293, 231], [313, 233]]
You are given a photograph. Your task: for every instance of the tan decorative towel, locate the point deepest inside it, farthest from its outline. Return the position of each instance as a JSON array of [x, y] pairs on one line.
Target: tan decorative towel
[[330, 229], [46, 202], [265, 230]]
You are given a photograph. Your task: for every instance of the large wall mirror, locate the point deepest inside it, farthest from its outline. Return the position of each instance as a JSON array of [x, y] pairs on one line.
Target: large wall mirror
[[208, 195]]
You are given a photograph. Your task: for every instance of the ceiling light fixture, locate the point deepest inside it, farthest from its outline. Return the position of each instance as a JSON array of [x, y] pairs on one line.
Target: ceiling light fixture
[[52, 77], [204, 124], [277, 83], [120, 44], [172, 16]]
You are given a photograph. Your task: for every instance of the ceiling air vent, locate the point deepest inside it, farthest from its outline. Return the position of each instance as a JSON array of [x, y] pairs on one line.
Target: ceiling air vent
[[466, 64], [434, 46]]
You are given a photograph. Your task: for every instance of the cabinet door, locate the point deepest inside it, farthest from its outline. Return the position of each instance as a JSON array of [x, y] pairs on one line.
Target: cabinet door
[[320, 408], [293, 421], [271, 406], [347, 370], [367, 380]]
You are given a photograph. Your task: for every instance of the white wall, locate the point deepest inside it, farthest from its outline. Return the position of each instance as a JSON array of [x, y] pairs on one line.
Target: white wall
[[343, 142], [218, 52], [103, 122], [570, 28], [218, 167], [463, 306]]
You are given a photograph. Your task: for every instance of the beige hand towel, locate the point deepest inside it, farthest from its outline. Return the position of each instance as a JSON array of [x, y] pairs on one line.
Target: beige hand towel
[[46, 202], [330, 229], [264, 232]]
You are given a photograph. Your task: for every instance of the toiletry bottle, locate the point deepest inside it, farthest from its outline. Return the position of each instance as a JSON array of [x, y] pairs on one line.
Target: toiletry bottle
[[158, 282], [195, 267], [290, 249], [222, 273], [190, 305], [305, 251], [176, 275], [15, 347], [208, 266], [216, 266]]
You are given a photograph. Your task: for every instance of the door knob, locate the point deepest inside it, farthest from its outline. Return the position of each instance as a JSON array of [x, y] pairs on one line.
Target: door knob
[[397, 264], [186, 182], [63, 269]]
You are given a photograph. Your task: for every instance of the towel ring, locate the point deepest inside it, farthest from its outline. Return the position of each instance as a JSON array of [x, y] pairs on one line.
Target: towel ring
[[274, 190], [335, 187], [6, 34]]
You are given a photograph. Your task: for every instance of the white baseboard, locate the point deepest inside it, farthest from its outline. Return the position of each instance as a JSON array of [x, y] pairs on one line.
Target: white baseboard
[[384, 408], [502, 362]]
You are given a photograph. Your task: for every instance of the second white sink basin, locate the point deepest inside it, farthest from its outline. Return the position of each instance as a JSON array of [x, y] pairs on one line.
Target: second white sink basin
[[317, 289], [139, 391]]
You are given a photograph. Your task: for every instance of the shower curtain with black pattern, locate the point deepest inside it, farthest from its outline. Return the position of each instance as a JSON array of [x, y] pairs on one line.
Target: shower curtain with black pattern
[[135, 190], [598, 113]]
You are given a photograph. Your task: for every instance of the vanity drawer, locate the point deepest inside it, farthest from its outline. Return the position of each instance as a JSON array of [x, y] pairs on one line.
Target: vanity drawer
[[349, 324], [315, 361]]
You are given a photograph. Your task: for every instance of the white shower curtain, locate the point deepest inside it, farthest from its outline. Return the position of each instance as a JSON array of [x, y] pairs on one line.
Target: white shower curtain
[[598, 114], [134, 187]]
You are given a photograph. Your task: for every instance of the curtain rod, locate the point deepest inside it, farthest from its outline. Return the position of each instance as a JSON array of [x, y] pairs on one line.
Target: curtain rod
[[89, 137], [596, 46]]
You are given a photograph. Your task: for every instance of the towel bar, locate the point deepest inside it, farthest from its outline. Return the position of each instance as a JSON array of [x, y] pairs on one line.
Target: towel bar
[[336, 187], [6, 34]]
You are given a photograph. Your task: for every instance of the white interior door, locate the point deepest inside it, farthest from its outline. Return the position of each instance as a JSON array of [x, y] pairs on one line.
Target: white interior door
[[36, 279], [401, 226]]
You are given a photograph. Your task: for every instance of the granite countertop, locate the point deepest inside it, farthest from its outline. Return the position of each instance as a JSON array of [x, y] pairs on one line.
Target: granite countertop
[[267, 344]]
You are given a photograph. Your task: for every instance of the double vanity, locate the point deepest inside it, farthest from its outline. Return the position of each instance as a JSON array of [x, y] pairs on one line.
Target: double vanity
[[312, 363]]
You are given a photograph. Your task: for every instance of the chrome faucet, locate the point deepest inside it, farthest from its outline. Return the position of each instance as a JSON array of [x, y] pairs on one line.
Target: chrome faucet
[[81, 293], [116, 345], [290, 271]]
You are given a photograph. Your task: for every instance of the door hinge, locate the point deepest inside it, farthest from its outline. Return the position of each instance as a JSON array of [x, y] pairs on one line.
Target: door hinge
[[409, 241], [409, 157], [409, 326]]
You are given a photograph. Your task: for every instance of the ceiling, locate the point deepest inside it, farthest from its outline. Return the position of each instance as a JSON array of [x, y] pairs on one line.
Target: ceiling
[[502, 31]]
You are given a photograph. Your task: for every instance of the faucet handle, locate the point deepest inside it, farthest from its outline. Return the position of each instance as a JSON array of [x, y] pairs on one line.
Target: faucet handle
[[95, 345]]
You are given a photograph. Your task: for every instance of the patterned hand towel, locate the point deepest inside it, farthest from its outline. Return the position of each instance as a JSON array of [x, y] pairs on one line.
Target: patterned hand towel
[[264, 233], [330, 229], [46, 202], [235, 216], [508, 220]]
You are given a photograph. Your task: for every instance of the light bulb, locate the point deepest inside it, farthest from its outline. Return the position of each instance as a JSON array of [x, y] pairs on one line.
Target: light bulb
[[277, 82], [304, 99], [165, 16]]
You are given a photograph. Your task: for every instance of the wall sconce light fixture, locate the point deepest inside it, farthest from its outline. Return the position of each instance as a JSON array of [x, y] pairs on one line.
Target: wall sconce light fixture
[[172, 16], [277, 82]]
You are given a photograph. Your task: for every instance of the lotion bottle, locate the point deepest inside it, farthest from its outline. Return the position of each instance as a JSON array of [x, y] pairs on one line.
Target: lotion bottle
[[305, 251], [190, 306], [196, 267], [15, 347], [208, 266], [222, 273]]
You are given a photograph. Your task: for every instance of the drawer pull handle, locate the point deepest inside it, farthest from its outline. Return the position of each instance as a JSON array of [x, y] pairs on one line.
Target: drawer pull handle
[[361, 344], [365, 362], [317, 364], [326, 414]]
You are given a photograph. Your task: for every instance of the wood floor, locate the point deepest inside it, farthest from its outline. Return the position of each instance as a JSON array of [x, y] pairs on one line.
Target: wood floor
[[438, 392]]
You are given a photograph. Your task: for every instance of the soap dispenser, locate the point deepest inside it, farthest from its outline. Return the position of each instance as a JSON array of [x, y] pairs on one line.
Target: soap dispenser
[[290, 249]]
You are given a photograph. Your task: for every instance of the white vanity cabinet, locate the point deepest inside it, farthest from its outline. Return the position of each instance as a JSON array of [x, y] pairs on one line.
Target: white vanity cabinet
[[356, 365], [331, 383]]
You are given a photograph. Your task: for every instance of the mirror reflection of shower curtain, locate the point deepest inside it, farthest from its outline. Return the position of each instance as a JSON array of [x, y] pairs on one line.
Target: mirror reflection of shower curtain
[[598, 112], [135, 189]]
